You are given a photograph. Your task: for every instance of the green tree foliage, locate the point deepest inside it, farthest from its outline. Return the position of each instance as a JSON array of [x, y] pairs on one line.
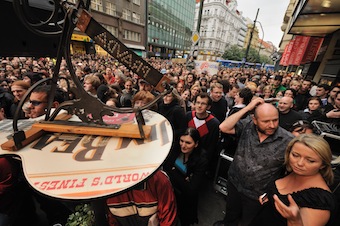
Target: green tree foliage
[[236, 53], [233, 53]]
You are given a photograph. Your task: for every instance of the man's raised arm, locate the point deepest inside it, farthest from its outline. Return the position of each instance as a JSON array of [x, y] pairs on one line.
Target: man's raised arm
[[228, 125]]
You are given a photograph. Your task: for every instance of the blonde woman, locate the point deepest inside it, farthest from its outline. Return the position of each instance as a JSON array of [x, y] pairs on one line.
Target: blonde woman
[[303, 196]]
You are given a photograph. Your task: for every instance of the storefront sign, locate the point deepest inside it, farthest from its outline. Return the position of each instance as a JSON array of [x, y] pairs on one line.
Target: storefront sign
[[81, 38]]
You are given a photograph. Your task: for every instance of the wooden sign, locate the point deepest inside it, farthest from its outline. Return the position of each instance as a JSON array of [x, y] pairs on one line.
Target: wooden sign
[[70, 166]]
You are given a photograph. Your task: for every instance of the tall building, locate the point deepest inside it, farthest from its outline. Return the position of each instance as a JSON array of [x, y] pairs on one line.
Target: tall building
[[170, 27], [125, 19], [311, 41], [222, 25]]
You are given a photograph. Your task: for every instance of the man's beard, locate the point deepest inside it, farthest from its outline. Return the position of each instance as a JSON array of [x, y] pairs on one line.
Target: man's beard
[[263, 131]]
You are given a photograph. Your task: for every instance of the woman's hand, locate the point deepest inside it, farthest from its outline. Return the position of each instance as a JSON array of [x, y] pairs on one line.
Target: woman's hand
[[291, 212]]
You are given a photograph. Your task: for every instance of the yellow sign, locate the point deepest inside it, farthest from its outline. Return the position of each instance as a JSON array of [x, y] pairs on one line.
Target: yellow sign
[[195, 37], [82, 38]]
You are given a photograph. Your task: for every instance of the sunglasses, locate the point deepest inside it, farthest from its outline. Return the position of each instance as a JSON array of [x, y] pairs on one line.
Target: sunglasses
[[36, 103]]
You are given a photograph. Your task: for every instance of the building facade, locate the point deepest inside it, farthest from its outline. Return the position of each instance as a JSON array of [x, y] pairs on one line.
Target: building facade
[[255, 36], [169, 27], [311, 41], [125, 19], [222, 25]]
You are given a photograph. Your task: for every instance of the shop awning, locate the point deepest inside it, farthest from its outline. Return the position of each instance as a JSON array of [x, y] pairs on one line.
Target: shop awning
[[315, 18]]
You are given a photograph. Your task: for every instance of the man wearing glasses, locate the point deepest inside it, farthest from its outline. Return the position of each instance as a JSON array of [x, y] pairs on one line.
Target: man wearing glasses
[[207, 126], [38, 101]]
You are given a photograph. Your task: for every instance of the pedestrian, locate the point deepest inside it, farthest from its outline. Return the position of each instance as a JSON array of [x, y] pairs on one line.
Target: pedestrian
[[186, 172], [207, 126], [259, 157], [303, 196]]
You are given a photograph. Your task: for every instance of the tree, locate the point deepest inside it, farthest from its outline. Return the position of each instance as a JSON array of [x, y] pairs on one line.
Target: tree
[[233, 53], [236, 53]]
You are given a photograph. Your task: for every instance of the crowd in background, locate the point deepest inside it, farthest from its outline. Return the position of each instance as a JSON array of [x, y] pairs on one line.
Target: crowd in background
[[199, 100]]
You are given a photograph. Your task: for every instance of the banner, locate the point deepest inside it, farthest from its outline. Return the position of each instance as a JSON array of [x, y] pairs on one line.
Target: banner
[[298, 50], [287, 53], [312, 49], [208, 67]]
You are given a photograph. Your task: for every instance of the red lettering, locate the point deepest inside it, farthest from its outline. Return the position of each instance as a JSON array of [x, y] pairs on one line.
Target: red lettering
[[53, 185], [108, 180], [95, 181], [135, 177], [81, 184], [126, 177], [64, 184], [118, 177]]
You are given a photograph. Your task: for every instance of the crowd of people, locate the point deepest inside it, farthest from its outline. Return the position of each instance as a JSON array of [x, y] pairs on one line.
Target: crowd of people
[[257, 113]]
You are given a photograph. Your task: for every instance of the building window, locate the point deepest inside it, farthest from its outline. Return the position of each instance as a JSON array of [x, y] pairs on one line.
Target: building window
[[137, 2], [127, 14], [97, 5], [136, 17], [132, 36], [111, 29], [111, 9]]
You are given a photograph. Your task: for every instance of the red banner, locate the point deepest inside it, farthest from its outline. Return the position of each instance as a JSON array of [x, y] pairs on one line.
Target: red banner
[[312, 49], [286, 54], [299, 49]]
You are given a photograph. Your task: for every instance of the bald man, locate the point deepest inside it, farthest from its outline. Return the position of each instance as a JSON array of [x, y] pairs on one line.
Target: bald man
[[258, 159], [287, 116]]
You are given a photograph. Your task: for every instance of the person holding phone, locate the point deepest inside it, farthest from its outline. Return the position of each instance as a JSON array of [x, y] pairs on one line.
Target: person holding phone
[[303, 196]]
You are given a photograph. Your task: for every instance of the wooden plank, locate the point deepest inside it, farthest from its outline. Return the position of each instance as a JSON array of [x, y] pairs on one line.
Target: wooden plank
[[125, 130], [31, 135]]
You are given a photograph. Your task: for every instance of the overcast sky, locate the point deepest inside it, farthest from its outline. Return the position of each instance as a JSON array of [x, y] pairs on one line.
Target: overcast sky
[[270, 16]]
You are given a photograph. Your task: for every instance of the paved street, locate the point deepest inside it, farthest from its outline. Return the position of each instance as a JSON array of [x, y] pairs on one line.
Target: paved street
[[211, 206]]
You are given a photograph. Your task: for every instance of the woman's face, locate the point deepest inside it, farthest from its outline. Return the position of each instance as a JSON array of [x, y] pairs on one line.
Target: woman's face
[[294, 86], [267, 93], [18, 91], [187, 144], [185, 95], [195, 91], [304, 161], [313, 105]]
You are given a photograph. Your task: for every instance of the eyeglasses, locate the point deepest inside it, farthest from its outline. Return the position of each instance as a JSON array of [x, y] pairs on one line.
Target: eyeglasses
[[36, 103], [201, 103]]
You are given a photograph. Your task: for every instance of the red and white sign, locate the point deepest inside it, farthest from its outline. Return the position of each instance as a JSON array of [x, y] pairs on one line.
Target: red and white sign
[[312, 49], [298, 50], [70, 166], [287, 53]]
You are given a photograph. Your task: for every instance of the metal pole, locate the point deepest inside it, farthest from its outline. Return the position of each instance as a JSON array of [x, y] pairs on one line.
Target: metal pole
[[199, 16], [198, 27], [251, 37]]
